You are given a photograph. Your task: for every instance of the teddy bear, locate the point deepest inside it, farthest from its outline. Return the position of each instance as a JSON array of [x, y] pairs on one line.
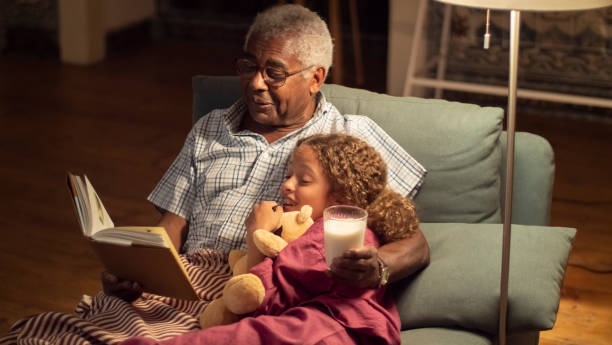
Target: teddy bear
[[244, 292]]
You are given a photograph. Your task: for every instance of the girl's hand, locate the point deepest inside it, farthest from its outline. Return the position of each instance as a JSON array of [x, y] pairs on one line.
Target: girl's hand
[[264, 216]]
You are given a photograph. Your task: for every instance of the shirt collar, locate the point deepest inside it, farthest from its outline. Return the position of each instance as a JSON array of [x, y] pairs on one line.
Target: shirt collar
[[233, 115]]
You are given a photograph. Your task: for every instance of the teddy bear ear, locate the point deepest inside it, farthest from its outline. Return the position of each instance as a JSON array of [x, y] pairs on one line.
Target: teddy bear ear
[[305, 213]]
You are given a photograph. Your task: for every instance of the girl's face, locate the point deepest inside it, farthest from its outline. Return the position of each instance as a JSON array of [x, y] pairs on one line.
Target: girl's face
[[306, 183]]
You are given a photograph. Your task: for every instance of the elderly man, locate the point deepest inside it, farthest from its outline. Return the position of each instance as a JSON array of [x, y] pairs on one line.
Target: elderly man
[[236, 157]]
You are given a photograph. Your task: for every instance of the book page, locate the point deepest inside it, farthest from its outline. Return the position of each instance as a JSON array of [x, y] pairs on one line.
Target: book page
[[134, 235], [98, 217]]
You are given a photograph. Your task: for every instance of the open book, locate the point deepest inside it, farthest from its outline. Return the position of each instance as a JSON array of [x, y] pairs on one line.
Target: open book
[[142, 254]]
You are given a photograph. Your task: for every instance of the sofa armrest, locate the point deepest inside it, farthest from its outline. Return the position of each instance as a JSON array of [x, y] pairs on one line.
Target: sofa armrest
[[534, 173], [460, 287], [443, 336]]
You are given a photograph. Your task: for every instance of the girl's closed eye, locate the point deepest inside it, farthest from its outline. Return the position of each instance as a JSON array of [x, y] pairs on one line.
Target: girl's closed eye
[[305, 180]]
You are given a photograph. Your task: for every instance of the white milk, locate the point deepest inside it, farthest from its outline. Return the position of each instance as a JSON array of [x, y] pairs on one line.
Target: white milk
[[342, 234]]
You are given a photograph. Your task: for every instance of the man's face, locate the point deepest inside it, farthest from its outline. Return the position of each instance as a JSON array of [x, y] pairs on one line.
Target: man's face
[[289, 105]]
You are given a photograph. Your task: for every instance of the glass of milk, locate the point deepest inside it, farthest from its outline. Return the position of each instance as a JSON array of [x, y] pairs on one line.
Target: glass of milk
[[343, 227]]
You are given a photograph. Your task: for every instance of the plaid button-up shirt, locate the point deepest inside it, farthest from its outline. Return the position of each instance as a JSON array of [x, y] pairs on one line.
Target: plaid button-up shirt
[[222, 171]]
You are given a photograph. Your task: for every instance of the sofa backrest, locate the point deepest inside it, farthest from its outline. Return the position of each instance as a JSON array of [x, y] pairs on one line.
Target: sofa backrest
[[459, 144]]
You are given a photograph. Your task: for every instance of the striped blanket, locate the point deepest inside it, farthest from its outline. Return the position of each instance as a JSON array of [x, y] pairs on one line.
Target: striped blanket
[[108, 320]]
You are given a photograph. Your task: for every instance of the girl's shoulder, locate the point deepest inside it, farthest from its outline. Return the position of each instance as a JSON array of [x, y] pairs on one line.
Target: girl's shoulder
[[370, 239]]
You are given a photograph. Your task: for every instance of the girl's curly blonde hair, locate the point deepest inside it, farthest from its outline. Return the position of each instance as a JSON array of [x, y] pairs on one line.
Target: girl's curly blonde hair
[[357, 176]]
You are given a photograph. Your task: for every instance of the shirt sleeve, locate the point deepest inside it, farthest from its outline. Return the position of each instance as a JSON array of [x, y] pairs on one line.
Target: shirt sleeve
[[176, 191], [406, 174]]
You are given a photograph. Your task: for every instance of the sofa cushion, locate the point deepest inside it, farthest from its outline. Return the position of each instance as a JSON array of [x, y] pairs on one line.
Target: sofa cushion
[[213, 92], [460, 287], [443, 336], [457, 143]]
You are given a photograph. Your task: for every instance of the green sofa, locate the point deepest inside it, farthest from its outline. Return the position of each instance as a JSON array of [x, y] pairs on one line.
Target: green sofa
[[455, 299]]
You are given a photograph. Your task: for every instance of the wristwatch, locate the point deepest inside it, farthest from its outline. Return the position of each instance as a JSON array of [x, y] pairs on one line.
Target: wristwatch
[[383, 271]]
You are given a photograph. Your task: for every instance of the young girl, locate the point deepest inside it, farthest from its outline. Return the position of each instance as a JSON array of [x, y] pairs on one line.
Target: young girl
[[303, 305]]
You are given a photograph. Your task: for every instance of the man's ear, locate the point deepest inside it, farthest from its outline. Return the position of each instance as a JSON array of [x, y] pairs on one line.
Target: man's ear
[[317, 80]]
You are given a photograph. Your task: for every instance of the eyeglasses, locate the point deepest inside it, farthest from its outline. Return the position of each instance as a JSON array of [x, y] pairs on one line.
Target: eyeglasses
[[273, 76]]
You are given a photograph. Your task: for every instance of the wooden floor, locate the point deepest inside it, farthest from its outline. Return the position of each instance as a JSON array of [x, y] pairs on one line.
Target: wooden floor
[[123, 121]]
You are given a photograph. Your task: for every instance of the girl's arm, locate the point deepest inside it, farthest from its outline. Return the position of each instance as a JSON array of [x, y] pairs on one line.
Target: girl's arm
[[263, 216]]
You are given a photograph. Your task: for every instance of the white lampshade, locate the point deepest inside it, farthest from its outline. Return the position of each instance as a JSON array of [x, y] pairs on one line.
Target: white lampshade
[[532, 5]]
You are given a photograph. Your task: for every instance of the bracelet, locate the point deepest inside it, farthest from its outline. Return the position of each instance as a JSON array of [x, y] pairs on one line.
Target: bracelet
[[383, 272]]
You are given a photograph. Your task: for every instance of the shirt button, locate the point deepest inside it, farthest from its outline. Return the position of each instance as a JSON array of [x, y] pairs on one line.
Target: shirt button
[[236, 219]]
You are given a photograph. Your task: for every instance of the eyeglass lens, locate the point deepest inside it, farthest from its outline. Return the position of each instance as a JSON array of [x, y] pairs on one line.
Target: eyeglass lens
[[272, 75]]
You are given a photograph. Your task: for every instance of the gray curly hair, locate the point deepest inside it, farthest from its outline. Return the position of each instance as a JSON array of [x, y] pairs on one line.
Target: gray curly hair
[[306, 33]]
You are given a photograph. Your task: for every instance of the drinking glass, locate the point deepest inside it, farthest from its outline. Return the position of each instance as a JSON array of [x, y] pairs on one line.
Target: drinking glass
[[344, 228]]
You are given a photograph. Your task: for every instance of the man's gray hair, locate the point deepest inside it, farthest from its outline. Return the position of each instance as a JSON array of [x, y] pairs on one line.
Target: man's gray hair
[[306, 33]]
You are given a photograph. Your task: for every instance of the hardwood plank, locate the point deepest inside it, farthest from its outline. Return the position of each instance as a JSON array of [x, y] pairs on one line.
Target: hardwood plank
[[582, 198]]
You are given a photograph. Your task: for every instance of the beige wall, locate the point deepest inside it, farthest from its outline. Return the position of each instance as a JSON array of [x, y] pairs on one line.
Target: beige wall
[[120, 13], [402, 19], [83, 25]]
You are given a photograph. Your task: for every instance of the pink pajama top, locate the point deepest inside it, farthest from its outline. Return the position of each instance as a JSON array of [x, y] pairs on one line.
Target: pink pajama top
[[298, 278]]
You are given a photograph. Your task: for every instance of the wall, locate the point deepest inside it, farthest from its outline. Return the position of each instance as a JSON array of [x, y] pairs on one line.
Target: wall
[[83, 25], [402, 19], [121, 13]]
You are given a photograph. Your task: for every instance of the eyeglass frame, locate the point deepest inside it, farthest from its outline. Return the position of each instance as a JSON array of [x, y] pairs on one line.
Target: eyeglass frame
[[262, 69]]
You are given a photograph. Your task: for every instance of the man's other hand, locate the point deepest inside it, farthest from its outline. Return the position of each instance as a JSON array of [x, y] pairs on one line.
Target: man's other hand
[[126, 290], [357, 267]]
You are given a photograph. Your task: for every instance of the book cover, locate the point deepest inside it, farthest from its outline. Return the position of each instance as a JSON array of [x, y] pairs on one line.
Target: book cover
[[142, 254]]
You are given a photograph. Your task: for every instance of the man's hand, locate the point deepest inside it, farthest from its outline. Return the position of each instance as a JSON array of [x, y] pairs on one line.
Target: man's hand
[[124, 289], [264, 216], [357, 267]]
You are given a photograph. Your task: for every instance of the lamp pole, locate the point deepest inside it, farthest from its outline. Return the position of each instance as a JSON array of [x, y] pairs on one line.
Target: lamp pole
[[515, 26]]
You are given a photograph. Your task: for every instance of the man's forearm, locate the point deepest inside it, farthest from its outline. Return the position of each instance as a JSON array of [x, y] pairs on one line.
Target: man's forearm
[[406, 256], [176, 227]]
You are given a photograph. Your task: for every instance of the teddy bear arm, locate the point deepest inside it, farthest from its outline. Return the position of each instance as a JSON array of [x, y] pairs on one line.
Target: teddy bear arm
[[240, 267], [234, 256], [268, 243]]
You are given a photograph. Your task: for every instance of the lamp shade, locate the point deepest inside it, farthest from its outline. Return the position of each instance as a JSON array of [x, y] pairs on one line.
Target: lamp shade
[[532, 5]]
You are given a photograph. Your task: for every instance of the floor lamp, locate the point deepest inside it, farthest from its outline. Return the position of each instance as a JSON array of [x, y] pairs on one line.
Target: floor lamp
[[515, 6]]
